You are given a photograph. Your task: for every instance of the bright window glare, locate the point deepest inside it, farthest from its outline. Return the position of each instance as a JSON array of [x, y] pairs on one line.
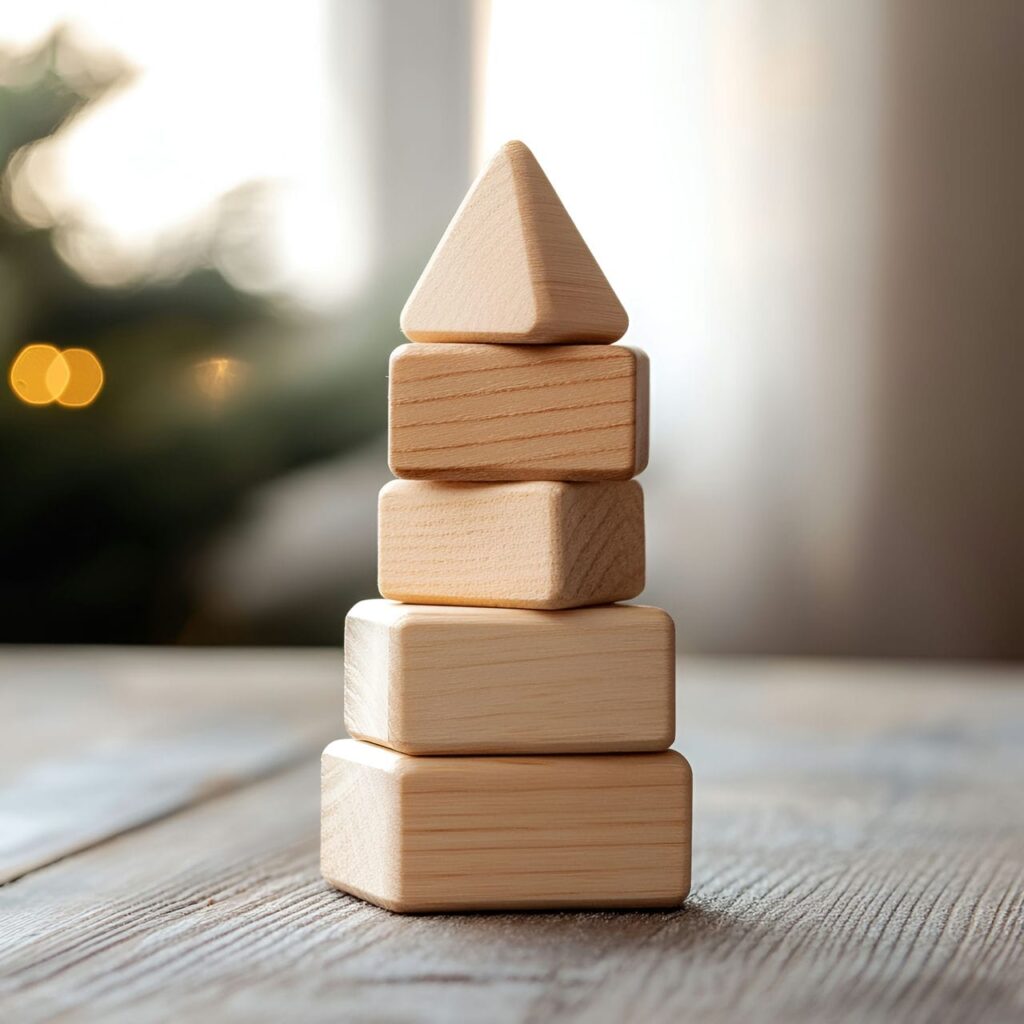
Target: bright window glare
[[223, 94]]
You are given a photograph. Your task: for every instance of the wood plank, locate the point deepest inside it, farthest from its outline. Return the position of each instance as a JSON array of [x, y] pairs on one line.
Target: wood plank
[[515, 545], [109, 740], [858, 855], [428, 834], [512, 267], [513, 412], [428, 679]]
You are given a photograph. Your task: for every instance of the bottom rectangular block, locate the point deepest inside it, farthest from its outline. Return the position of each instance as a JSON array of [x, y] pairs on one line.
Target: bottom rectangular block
[[435, 834]]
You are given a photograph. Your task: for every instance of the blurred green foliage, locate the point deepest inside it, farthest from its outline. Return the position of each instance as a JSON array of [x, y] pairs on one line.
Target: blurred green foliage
[[104, 508]]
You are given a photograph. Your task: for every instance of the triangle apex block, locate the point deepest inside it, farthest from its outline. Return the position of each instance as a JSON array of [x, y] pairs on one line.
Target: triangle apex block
[[513, 268]]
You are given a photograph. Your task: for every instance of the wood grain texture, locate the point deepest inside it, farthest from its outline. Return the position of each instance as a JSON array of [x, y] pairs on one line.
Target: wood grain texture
[[512, 267], [74, 772], [428, 679], [858, 856], [513, 412], [430, 834], [513, 545]]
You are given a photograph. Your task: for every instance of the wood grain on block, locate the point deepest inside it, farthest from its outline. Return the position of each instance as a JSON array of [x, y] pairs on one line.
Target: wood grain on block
[[426, 679], [513, 545], [512, 267], [431, 834], [511, 412]]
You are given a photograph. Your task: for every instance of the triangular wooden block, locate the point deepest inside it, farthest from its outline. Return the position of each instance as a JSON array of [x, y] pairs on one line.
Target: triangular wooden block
[[513, 268]]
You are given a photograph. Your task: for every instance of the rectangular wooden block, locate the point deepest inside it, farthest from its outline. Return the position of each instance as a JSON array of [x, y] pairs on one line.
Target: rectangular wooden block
[[434, 834], [425, 679], [517, 412], [540, 544]]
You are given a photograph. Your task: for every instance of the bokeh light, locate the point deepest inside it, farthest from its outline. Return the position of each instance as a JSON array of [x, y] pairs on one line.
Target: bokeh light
[[219, 377], [57, 376], [85, 378], [42, 374], [29, 375]]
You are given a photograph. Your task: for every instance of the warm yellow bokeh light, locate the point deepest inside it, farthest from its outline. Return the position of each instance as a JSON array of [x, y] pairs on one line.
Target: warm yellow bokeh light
[[219, 377], [41, 374], [30, 372], [58, 374], [85, 378]]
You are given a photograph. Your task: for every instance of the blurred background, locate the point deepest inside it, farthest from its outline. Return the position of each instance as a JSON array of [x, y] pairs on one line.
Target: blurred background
[[813, 212]]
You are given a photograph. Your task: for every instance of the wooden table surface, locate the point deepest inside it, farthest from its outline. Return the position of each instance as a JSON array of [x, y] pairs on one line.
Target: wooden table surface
[[858, 855]]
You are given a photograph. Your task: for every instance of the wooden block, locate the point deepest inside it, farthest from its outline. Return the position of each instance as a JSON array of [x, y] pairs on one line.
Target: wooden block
[[513, 268], [517, 545], [434, 834], [425, 679], [511, 412]]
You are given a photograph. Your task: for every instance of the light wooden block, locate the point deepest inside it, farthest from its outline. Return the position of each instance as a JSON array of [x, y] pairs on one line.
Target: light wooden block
[[435, 834], [512, 267], [516, 545], [425, 679], [511, 412]]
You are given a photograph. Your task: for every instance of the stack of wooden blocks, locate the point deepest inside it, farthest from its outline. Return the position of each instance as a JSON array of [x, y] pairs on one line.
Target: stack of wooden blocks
[[511, 722]]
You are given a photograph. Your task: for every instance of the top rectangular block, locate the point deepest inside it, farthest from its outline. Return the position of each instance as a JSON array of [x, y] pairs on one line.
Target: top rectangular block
[[512, 412]]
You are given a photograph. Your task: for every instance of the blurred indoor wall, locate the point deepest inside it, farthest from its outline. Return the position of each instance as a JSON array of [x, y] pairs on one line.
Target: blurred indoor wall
[[812, 211], [943, 529]]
